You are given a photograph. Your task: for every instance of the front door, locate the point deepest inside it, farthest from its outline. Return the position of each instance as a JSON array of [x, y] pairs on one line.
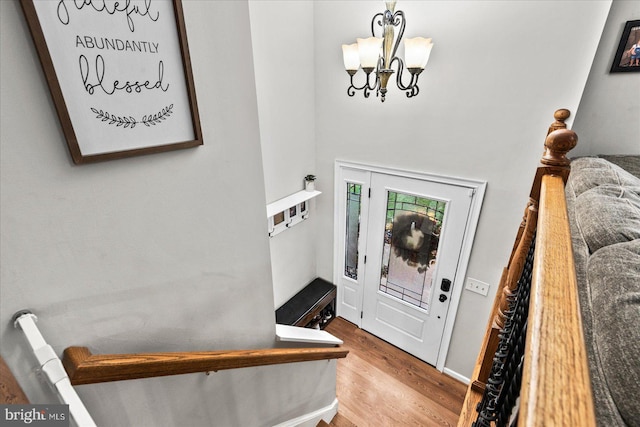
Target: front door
[[401, 252]]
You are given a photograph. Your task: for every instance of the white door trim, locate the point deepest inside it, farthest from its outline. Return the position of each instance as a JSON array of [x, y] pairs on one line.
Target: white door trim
[[477, 189]]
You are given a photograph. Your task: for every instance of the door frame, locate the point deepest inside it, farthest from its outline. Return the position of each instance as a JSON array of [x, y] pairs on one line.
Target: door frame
[[477, 189]]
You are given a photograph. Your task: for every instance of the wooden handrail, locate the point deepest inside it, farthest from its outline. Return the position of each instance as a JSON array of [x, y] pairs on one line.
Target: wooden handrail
[[556, 389], [86, 368]]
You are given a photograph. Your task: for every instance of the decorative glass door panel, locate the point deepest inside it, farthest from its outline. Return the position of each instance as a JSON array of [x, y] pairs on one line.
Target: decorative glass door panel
[[410, 251], [354, 196]]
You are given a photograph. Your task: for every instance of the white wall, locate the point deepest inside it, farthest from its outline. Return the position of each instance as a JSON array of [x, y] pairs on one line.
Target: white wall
[[166, 252], [607, 122], [282, 35], [497, 72]]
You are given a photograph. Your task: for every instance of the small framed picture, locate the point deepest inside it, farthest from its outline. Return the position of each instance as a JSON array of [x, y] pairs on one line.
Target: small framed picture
[[628, 54], [278, 218]]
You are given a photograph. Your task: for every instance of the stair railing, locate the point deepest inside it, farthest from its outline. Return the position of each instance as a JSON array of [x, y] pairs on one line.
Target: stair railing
[[86, 368], [546, 382], [52, 368], [80, 366]]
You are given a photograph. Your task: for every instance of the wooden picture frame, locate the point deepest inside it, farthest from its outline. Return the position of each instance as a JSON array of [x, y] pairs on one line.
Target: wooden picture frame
[[119, 75], [625, 60]]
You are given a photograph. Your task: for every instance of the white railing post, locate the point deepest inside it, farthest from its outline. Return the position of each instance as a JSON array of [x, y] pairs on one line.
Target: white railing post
[[51, 367]]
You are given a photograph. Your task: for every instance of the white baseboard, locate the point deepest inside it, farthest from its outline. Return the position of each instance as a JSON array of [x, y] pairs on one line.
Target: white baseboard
[[457, 376], [313, 418]]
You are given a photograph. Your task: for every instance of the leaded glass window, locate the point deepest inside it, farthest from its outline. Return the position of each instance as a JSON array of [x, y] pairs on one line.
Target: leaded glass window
[[412, 233], [354, 200]]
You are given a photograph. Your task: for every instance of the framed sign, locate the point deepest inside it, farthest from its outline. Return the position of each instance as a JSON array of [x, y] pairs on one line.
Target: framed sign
[[628, 54], [119, 73]]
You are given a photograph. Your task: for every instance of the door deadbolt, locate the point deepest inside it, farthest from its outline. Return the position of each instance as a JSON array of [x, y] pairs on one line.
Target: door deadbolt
[[445, 285]]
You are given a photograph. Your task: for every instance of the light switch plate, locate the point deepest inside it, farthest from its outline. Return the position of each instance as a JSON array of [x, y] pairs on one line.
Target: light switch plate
[[477, 286]]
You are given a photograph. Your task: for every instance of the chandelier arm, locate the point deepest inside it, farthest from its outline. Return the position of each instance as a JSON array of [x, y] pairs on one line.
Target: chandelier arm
[[351, 90], [414, 89], [376, 81], [373, 21], [366, 88], [412, 80], [396, 20], [376, 86]]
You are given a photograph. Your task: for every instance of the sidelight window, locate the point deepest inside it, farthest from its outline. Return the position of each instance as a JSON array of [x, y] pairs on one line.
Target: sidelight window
[[354, 201]]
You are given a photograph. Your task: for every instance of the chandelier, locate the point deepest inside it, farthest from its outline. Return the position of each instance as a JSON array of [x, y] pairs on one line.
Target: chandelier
[[379, 54]]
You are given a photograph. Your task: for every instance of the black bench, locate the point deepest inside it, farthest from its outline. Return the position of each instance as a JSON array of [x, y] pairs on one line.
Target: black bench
[[314, 306]]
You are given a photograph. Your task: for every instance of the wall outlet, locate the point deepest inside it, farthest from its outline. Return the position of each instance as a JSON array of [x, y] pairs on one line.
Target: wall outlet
[[477, 286]]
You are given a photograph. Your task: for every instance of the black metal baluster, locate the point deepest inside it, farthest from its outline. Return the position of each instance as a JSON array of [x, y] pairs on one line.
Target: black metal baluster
[[503, 386]]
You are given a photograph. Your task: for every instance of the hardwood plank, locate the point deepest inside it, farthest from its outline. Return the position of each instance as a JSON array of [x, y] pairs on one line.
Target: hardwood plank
[[10, 391], [341, 421], [381, 385], [410, 370], [420, 376]]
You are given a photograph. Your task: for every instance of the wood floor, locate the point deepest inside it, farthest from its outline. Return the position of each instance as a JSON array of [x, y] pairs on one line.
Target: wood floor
[[380, 385]]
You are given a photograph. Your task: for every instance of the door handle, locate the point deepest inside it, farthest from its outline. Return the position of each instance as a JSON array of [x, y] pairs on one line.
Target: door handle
[[445, 285], [442, 298]]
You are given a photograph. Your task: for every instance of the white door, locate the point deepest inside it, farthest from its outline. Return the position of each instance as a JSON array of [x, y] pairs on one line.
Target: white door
[[400, 241], [414, 239]]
